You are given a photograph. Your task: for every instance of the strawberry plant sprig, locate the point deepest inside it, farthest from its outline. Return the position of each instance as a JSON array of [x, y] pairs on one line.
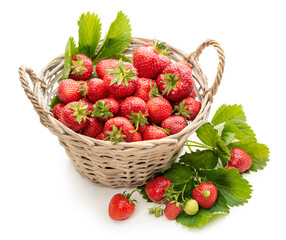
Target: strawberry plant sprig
[[208, 164]]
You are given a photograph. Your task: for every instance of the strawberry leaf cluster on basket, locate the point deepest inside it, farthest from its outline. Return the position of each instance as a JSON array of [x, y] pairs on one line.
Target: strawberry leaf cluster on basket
[[207, 180], [109, 95]]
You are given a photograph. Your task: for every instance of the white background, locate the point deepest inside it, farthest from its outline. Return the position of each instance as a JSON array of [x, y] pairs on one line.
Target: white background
[[43, 197]]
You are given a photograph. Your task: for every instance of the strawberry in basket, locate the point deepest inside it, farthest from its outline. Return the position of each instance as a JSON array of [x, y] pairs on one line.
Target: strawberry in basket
[[150, 59], [176, 82], [81, 67], [120, 80]]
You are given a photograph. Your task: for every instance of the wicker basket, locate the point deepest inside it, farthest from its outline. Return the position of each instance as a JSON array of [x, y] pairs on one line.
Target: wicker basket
[[122, 164]]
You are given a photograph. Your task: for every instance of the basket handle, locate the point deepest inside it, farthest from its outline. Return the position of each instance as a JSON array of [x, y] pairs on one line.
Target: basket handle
[[43, 114], [195, 55]]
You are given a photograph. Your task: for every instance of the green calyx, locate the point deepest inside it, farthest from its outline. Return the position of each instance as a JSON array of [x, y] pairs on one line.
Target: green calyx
[[121, 74], [78, 66], [182, 110], [154, 91], [80, 112], [161, 47], [138, 119], [206, 193], [128, 196], [171, 81], [100, 110], [115, 136]]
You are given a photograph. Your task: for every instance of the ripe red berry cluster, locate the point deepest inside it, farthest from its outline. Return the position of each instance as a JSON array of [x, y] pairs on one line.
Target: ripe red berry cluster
[[149, 99], [160, 191]]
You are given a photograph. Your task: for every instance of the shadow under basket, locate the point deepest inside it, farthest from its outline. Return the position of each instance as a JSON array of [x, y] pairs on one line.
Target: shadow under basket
[[122, 164]]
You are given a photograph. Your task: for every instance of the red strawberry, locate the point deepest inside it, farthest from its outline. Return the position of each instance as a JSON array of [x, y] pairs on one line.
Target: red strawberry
[[159, 109], [121, 207], [175, 82], [100, 136], [81, 67], [136, 110], [136, 137], [205, 194], [69, 91], [188, 108], [93, 127], [150, 60], [142, 128], [154, 132], [94, 89], [240, 160], [193, 94], [118, 129], [105, 109], [74, 115], [156, 188], [90, 105], [57, 110], [172, 210], [144, 88], [174, 123], [120, 81], [185, 64], [104, 65]]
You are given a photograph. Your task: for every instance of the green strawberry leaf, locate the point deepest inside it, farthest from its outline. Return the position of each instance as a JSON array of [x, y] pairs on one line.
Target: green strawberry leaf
[[120, 56], [209, 136], [203, 216], [117, 38], [205, 159], [54, 101], [181, 177], [258, 152], [230, 120], [228, 113], [70, 51], [89, 34], [235, 189]]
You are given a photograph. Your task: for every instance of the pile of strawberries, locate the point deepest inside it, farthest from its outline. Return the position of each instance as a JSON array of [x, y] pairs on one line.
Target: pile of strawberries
[[119, 101]]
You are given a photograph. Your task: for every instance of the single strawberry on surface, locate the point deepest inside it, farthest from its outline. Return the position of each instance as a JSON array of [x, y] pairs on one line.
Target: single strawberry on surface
[[159, 109], [104, 65], [175, 82], [118, 129], [174, 123], [205, 194], [156, 188], [154, 132], [75, 115], [151, 59], [188, 108], [81, 67], [94, 90], [136, 110], [172, 210], [57, 110], [69, 91], [240, 159], [120, 81], [121, 206], [105, 109]]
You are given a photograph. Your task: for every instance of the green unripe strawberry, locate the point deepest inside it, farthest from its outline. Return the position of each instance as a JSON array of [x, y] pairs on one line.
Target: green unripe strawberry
[[191, 207]]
